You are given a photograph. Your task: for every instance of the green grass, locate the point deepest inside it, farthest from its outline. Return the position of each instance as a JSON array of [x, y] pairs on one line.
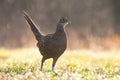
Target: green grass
[[13, 68], [24, 64]]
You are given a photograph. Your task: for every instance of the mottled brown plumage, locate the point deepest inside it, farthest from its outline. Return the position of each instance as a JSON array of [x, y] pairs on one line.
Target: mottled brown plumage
[[51, 45]]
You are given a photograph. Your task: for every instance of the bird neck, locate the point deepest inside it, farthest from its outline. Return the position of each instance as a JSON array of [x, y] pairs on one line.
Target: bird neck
[[60, 29]]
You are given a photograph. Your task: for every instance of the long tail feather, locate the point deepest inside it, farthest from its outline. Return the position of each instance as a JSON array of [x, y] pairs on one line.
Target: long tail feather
[[33, 26]]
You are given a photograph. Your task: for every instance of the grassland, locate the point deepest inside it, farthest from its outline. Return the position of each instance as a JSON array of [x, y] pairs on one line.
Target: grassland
[[84, 64]]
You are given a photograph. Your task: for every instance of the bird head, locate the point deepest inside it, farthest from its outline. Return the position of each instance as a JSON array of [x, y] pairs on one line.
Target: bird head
[[64, 21]]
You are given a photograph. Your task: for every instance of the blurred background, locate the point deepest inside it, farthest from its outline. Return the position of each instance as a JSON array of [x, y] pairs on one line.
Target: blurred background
[[95, 24]]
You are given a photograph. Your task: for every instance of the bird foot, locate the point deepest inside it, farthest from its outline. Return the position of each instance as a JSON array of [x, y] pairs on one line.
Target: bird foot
[[55, 73]]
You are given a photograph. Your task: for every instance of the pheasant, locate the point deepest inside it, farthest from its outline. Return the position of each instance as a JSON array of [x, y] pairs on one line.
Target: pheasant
[[51, 45]]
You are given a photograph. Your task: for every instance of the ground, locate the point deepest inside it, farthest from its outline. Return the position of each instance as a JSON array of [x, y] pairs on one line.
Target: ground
[[81, 64]]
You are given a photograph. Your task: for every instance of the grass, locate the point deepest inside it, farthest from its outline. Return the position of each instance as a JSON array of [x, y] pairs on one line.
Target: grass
[[24, 64]]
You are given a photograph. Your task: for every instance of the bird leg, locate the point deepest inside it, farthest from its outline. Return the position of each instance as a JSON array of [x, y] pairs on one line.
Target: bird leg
[[43, 60], [53, 65]]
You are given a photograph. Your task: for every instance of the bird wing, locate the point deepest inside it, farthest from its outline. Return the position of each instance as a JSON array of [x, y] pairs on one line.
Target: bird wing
[[33, 26]]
